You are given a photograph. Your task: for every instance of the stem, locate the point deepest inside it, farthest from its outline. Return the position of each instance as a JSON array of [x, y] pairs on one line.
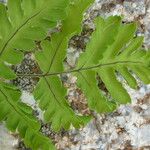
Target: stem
[[78, 70]]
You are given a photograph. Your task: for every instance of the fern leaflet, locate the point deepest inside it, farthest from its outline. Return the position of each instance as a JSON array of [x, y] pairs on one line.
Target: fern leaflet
[[20, 21], [18, 116], [113, 48], [50, 92]]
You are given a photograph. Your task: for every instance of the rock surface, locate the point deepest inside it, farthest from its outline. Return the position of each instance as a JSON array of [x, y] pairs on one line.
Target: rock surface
[[7, 141]]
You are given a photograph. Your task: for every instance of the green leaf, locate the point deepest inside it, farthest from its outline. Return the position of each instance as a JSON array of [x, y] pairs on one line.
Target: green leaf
[[23, 22], [51, 96], [49, 92], [6, 72], [55, 52], [113, 48], [96, 99], [19, 117], [102, 38]]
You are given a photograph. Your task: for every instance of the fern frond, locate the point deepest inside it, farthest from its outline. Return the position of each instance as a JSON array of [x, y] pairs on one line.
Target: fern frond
[[18, 117], [50, 92], [113, 48], [53, 54], [51, 95], [23, 22]]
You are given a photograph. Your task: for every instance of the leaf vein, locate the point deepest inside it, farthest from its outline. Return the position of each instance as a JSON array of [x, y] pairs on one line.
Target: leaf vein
[[19, 28]]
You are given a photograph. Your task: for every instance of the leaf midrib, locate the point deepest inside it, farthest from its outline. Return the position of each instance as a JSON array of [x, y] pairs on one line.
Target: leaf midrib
[[15, 109], [81, 69], [35, 131], [55, 53], [62, 106], [49, 87], [96, 33], [17, 30]]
